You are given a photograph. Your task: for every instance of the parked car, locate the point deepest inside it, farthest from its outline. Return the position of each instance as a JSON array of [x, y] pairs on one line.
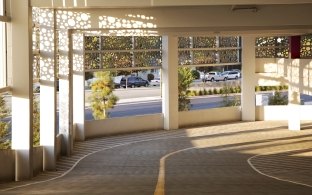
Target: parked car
[[155, 82], [231, 75], [214, 76], [133, 81]]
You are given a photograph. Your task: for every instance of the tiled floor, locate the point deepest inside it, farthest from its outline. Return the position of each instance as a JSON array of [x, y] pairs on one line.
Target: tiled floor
[[232, 159]]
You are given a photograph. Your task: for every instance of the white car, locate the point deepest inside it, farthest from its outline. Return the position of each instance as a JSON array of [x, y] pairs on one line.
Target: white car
[[214, 76], [231, 75], [155, 82]]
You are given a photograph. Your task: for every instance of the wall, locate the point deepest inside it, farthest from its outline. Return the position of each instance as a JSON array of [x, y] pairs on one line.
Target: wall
[[271, 113], [37, 160], [98, 128], [7, 165], [209, 116]]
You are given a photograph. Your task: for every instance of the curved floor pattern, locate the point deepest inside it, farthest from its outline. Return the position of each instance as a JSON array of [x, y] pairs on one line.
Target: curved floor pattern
[[207, 160]]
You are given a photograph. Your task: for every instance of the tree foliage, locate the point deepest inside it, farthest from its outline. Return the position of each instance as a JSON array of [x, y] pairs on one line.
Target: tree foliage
[[4, 126], [185, 78], [229, 100], [278, 99], [102, 97], [36, 122]]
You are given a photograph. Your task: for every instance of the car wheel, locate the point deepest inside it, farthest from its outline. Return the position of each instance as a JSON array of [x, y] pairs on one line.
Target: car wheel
[[225, 79], [212, 79], [132, 86], [236, 77]]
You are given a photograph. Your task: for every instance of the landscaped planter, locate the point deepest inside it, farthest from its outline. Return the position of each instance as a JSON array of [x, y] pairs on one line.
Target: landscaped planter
[[7, 165]]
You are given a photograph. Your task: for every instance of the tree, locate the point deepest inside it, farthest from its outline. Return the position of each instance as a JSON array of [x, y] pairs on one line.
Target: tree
[[102, 97], [4, 126], [185, 78], [278, 99], [36, 122], [196, 74], [229, 100]]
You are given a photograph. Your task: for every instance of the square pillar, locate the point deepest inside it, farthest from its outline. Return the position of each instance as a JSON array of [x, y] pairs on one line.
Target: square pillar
[[20, 52], [48, 90], [170, 82], [78, 87], [248, 100], [294, 95]]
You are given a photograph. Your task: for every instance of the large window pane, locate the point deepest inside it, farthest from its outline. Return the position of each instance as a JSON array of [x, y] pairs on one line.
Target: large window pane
[[138, 93], [117, 59], [147, 59], [116, 43], [147, 42]]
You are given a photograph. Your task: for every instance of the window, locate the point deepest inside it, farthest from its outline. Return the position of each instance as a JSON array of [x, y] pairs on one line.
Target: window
[[206, 58], [131, 62]]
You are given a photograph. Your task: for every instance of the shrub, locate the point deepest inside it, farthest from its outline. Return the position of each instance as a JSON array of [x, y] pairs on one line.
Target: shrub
[[278, 99], [150, 77], [196, 74], [4, 126]]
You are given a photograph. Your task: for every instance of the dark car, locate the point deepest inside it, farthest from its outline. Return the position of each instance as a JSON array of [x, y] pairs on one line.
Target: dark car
[[133, 81]]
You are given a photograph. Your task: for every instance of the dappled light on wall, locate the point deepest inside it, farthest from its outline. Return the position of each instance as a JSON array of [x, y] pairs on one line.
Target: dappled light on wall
[[78, 52], [69, 19], [307, 78], [132, 25]]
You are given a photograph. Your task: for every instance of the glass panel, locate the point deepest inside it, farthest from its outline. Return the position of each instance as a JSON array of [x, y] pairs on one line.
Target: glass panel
[[228, 56], [116, 43], [146, 59], [306, 46], [272, 41], [272, 52], [228, 42], [184, 42], [117, 59], [130, 93], [92, 43], [185, 58], [5, 120], [92, 61], [150, 42], [205, 42], [205, 57]]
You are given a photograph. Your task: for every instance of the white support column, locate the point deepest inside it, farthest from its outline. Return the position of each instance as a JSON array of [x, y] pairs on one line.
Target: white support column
[[65, 92], [170, 82], [48, 91], [248, 74], [3, 68], [294, 95], [78, 87], [20, 52]]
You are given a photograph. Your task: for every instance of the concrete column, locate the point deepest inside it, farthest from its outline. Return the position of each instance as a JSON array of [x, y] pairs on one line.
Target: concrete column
[[3, 69], [78, 87], [20, 51], [65, 91], [170, 82], [48, 90], [293, 71], [248, 74]]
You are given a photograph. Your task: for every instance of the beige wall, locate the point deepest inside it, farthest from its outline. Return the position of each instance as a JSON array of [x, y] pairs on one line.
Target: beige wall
[[271, 113], [272, 72], [98, 128], [209, 116], [198, 20], [7, 165]]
